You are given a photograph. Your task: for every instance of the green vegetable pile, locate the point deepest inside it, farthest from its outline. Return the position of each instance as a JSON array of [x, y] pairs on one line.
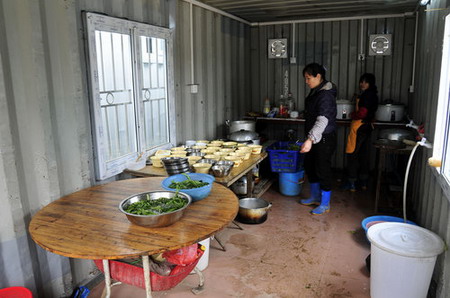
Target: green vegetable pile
[[157, 206], [294, 147], [188, 184]]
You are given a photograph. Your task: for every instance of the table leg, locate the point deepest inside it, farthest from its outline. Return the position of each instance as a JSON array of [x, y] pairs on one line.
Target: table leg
[[214, 237], [237, 225], [381, 162], [250, 184], [148, 286], [201, 283], [107, 279]]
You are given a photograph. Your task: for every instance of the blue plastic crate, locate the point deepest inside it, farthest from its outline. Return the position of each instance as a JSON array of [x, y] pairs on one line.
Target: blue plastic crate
[[283, 160]]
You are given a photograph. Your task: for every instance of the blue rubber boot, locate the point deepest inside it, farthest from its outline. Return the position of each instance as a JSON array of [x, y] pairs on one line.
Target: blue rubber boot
[[324, 206], [349, 185], [315, 196]]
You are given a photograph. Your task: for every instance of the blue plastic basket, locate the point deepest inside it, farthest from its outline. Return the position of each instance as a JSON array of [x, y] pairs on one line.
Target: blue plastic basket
[[197, 194], [283, 160]]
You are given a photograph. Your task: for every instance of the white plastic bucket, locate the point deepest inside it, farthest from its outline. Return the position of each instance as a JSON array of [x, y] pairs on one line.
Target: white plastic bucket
[[203, 262], [402, 260]]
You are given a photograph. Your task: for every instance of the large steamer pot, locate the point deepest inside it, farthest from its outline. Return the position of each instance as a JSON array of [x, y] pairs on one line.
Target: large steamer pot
[[253, 210], [244, 136], [390, 112], [241, 125], [344, 109]]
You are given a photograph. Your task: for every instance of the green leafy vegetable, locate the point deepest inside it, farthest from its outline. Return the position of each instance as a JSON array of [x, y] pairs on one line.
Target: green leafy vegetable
[[157, 206], [187, 184], [294, 147]]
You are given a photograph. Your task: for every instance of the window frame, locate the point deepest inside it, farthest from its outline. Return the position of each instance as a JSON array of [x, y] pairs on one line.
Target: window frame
[[441, 148], [105, 169]]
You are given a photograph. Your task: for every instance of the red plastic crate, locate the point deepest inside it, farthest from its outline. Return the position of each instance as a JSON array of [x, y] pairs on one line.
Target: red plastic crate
[[134, 275]]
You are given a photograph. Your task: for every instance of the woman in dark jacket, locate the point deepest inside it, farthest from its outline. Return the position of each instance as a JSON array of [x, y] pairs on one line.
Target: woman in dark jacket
[[320, 126], [358, 141]]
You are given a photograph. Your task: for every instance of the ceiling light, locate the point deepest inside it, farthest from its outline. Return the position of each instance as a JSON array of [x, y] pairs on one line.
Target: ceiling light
[[424, 2]]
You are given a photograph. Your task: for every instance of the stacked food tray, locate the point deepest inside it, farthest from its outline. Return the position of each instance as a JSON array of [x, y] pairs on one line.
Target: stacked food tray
[[176, 165]]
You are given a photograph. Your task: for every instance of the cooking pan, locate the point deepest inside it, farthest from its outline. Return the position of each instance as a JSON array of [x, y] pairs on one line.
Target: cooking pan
[[397, 134], [253, 210]]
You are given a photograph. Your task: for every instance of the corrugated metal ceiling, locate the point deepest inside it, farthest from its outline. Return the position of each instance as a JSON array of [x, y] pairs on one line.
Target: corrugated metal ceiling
[[284, 10]]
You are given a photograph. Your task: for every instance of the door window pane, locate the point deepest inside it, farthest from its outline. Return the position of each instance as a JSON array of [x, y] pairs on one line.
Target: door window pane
[[114, 66], [154, 91]]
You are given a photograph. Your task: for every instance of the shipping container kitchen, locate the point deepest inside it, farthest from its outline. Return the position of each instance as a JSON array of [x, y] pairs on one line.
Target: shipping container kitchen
[[202, 63]]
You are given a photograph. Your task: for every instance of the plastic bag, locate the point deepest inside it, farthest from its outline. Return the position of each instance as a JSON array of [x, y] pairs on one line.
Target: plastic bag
[[182, 256]]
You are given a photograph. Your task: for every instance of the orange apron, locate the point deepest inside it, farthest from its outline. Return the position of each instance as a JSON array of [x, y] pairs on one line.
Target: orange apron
[[354, 126]]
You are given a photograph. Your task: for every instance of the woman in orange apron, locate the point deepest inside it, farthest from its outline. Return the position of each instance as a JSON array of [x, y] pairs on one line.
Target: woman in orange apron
[[358, 140]]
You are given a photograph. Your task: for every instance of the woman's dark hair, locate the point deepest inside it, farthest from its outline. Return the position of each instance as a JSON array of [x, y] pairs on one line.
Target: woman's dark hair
[[368, 78], [314, 69]]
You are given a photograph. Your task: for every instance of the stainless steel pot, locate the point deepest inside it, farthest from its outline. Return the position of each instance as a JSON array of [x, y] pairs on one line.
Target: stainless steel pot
[[240, 125], [244, 136], [397, 134], [240, 186], [253, 210], [390, 112], [344, 109]]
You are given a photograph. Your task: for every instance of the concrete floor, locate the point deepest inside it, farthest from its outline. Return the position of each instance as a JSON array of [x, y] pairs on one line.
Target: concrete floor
[[292, 254]]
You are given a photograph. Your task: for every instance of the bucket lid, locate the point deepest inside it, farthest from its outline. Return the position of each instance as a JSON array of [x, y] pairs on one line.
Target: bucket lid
[[405, 240]]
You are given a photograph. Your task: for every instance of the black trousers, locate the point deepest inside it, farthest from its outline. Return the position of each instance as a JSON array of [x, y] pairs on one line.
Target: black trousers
[[358, 161], [318, 161]]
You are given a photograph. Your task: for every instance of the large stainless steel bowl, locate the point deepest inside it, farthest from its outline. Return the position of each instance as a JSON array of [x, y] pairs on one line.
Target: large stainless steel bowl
[[228, 163], [207, 160], [221, 170], [154, 221]]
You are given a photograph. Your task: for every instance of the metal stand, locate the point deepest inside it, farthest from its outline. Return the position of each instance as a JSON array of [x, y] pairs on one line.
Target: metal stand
[[237, 225], [200, 288], [222, 246], [148, 286], [107, 289]]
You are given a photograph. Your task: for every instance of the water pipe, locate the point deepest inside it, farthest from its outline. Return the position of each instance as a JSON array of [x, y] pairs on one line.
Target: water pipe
[[423, 142]]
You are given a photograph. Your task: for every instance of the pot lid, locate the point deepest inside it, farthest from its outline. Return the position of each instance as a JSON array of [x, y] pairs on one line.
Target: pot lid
[[243, 122], [240, 122], [405, 240], [243, 136]]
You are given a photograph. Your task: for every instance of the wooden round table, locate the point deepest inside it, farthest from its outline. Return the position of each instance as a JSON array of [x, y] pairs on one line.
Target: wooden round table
[[88, 224]]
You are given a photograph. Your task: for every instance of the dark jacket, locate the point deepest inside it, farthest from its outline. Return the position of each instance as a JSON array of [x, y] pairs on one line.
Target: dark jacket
[[321, 101]]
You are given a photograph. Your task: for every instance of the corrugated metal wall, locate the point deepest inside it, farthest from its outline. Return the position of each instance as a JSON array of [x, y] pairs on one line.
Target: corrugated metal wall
[[336, 45], [46, 143], [221, 68], [426, 197]]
